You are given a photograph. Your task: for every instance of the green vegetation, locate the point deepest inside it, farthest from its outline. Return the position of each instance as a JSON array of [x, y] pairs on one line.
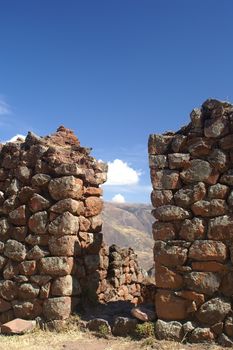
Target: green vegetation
[[145, 330], [103, 331]]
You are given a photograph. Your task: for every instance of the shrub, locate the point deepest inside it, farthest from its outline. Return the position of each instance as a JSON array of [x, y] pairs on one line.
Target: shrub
[[145, 330]]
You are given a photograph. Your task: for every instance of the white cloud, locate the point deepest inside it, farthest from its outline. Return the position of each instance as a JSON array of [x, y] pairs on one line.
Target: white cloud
[[120, 173], [4, 107], [118, 198]]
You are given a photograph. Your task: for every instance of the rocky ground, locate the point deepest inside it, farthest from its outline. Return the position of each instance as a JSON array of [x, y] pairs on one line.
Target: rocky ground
[[73, 339]]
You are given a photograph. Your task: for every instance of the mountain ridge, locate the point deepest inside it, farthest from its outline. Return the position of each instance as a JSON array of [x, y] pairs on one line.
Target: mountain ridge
[[130, 225]]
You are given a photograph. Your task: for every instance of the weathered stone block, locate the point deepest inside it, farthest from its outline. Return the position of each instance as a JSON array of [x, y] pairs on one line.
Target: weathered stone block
[[170, 213], [84, 224], [71, 205], [178, 160], [178, 143], [15, 250], [227, 178], [218, 191], [93, 191], [226, 142], [36, 253], [41, 280], [158, 162], [65, 286], [161, 197], [124, 326], [199, 170], [219, 160], [57, 308], [201, 335], [18, 326], [11, 270], [18, 233], [27, 309], [207, 250], [27, 268], [199, 146], [66, 187], [38, 222], [4, 229], [4, 305], [169, 254], [166, 278], [226, 284], [38, 203], [69, 169], [27, 291], [203, 282], [40, 180], [163, 231], [8, 290], [228, 327], [220, 228], [65, 224], [56, 266], [170, 307], [94, 206], [190, 295], [169, 330], [188, 195], [213, 311], [216, 207], [96, 324], [216, 127], [209, 266], [159, 144], [192, 229], [96, 223], [18, 216], [165, 179], [64, 246]]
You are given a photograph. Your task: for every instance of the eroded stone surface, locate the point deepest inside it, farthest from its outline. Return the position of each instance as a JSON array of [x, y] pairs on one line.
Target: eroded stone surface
[[66, 187], [213, 311], [170, 213], [169, 330]]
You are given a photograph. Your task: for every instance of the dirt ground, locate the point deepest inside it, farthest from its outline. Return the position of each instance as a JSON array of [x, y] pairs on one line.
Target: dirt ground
[[76, 340]]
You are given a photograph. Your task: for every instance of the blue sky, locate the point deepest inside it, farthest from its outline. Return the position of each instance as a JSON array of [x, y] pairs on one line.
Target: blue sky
[[114, 71]]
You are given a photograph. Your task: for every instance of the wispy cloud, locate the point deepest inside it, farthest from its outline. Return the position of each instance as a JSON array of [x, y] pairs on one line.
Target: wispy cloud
[[5, 108], [137, 189]]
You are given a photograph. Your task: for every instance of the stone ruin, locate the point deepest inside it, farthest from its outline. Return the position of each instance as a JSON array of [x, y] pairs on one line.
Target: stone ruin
[[192, 177], [52, 255]]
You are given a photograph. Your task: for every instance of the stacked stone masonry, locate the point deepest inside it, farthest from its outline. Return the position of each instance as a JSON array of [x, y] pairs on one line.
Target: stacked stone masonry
[[192, 178], [122, 278], [51, 246]]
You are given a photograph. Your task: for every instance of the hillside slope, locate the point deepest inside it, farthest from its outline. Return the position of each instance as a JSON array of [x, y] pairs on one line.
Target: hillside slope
[[129, 225]]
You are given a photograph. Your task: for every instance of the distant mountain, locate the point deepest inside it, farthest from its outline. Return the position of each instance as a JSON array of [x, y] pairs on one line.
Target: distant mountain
[[129, 225]]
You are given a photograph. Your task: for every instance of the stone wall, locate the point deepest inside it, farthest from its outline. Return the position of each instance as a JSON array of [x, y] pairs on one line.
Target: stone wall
[[121, 278], [50, 225], [192, 178], [52, 255]]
